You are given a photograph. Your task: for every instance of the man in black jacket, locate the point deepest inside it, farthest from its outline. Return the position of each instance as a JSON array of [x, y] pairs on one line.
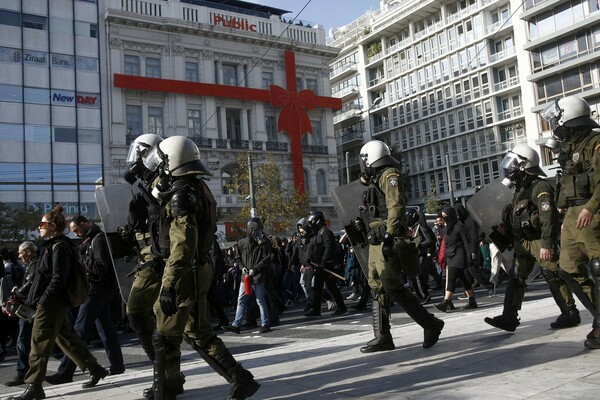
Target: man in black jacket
[[96, 311], [476, 236]]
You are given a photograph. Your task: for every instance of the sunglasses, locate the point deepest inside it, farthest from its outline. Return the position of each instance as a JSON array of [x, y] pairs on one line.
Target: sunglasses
[[44, 224]]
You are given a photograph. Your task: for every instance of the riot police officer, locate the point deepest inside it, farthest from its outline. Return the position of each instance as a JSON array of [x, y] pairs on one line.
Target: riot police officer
[[143, 225], [382, 218], [187, 226], [535, 226], [323, 252], [579, 197]]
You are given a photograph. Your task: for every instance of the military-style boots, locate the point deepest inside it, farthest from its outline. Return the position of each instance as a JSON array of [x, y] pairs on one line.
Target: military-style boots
[[384, 342], [505, 322], [243, 385], [567, 319]]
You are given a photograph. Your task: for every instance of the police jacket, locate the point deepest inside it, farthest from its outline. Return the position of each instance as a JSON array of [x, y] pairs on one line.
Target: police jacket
[[95, 256], [187, 227], [386, 201], [456, 241], [534, 215], [580, 160], [53, 271], [256, 255]]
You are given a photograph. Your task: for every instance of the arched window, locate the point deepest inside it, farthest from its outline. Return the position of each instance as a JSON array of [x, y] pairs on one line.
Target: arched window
[[321, 183], [227, 173], [306, 182]]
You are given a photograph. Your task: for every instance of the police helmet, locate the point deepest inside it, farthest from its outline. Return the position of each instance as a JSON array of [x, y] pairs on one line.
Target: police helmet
[[178, 156], [316, 220], [521, 158], [375, 154], [141, 146], [568, 112]]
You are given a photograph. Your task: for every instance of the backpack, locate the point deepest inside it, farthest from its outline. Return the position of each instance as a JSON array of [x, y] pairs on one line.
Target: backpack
[[78, 285]]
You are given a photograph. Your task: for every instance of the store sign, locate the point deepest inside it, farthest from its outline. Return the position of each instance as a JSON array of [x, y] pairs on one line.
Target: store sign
[[10, 55], [235, 23], [67, 98], [62, 61], [87, 209]]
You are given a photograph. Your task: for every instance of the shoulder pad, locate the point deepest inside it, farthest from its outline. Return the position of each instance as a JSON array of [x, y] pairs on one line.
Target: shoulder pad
[[183, 202]]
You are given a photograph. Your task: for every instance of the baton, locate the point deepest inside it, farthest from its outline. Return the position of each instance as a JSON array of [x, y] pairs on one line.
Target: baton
[[329, 271]]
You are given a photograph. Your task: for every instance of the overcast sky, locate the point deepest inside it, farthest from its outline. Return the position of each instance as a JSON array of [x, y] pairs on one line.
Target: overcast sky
[[329, 13]]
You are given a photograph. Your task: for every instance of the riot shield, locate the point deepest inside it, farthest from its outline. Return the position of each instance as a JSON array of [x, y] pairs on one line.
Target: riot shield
[[486, 208], [113, 206], [346, 200]]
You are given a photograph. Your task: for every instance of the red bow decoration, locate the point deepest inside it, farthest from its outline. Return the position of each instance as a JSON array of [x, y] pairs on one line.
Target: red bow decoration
[[293, 117]]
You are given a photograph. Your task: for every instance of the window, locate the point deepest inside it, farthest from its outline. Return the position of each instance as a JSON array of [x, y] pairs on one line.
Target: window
[[92, 136], [65, 173], [155, 120], [306, 180], [37, 133], [311, 84], [134, 120], [10, 18], [87, 64], [132, 65], [11, 172], [321, 183], [37, 96], [86, 29], [194, 123], [234, 124], [230, 75], [267, 79], [153, 67], [191, 71], [68, 135], [35, 21], [90, 173], [317, 134], [271, 128], [299, 84], [11, 132], [10, 93], [36, 174]]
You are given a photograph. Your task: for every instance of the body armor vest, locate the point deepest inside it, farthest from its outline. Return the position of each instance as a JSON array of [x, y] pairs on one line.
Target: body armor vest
[[525, 221], [576, 184], [374, 200]]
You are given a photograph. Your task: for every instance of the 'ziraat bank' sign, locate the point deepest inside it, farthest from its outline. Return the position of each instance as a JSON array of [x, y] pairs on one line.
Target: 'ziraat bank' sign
[[235, 23]]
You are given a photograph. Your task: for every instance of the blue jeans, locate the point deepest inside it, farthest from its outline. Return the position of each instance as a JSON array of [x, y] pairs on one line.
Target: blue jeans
[[23, 347], [259, 292], [96, 311]]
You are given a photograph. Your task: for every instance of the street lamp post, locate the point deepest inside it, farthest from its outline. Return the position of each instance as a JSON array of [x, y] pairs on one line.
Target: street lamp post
[[347, 167], [449, 177], [251, 182]]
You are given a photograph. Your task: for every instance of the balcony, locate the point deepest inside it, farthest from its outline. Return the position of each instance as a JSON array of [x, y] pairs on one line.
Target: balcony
[[354, 111], [502, 54], [377, 80], [346, 92], [349, 137], [313, 149], [344, 70], [202, 142], [320, 200], [514, 81], [276, 146], [510, 113]]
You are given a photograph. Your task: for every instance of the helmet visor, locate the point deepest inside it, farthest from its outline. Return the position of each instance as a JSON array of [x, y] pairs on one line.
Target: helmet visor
[[510, 163], [552, 113], [153, 160], [136, 151]]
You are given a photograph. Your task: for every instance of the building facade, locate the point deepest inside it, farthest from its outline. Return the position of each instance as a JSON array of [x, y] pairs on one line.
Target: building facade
[[68, 110], [455, 84], [50, 105]]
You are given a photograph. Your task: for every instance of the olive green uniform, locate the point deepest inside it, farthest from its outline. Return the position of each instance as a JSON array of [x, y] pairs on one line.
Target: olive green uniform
[[579, 188], [143, 295], [187, 232], [535, 226], [385, 212]]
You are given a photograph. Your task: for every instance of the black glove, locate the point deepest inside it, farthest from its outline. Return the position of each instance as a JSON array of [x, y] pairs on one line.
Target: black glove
[[359, 225], [387, 247], [168, 301]]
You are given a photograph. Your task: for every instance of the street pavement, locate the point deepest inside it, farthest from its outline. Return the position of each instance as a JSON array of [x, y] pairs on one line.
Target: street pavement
[[320, 359]]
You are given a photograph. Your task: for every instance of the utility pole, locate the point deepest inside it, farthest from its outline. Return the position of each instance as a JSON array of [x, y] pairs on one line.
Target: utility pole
[[251, 182], [347, 167]]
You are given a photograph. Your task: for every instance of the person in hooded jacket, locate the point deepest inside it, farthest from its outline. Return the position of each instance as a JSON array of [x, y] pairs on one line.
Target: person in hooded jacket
[[476, 237], [457, 259], [424, 239]]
